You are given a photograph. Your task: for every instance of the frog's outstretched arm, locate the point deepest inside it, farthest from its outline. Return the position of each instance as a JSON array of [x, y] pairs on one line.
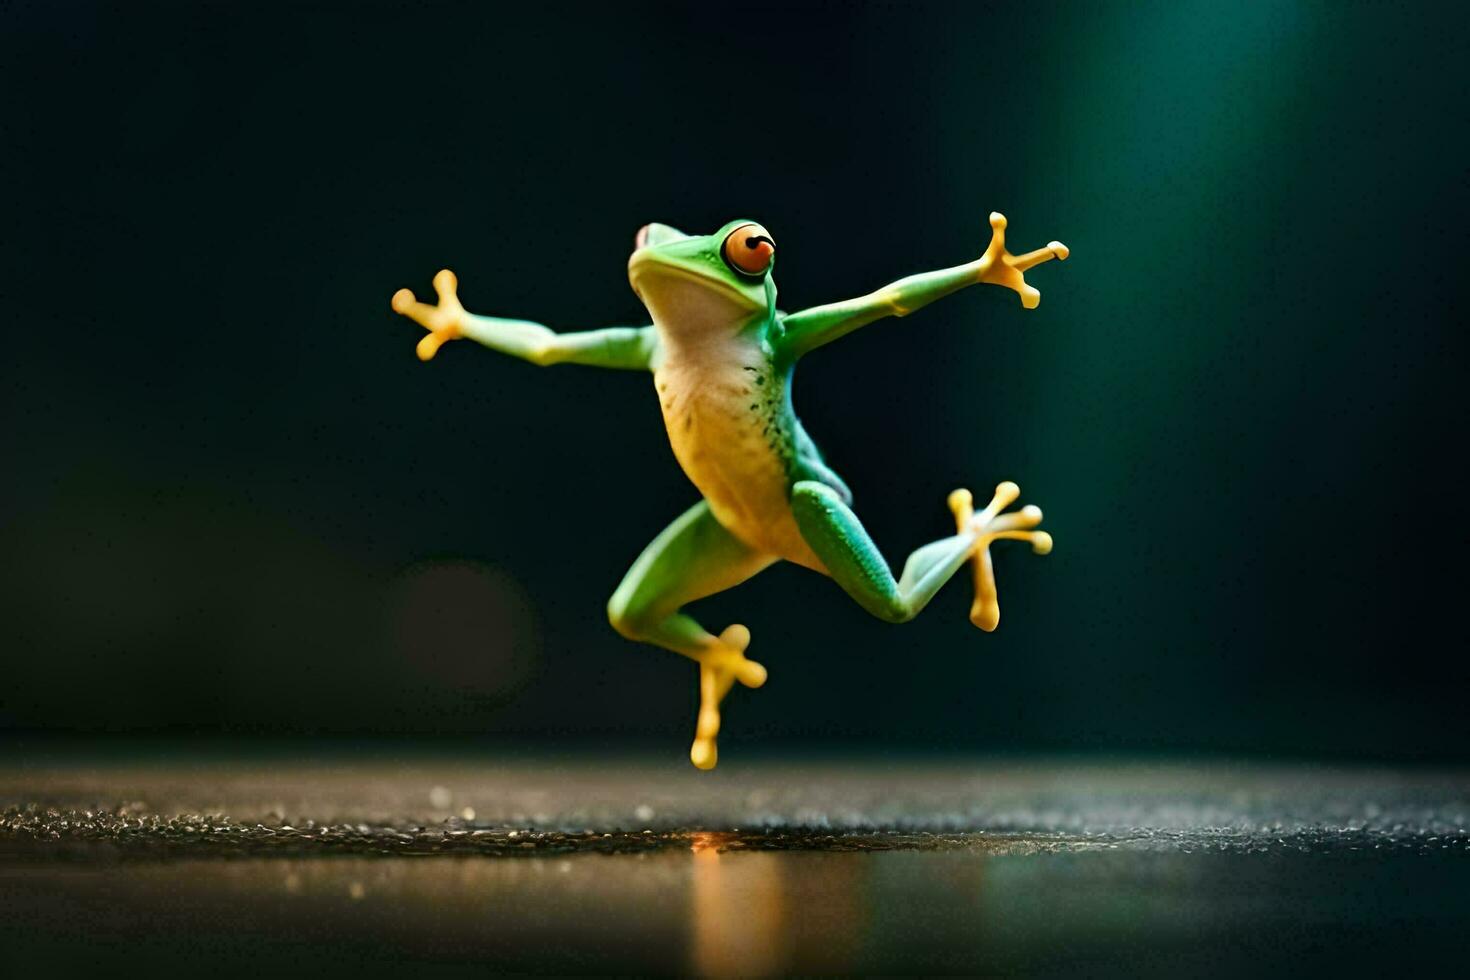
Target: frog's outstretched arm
[[820, 325], [614, 347]]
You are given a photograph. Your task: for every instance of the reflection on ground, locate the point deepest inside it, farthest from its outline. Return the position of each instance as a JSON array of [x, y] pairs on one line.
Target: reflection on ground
[[715, 912], [382, 866]]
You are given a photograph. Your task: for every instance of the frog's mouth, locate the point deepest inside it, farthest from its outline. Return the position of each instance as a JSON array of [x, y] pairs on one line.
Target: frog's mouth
[[654, 278], [676, 293]]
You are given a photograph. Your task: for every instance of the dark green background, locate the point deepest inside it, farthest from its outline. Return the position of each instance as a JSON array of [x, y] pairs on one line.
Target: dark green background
[[235, 501]]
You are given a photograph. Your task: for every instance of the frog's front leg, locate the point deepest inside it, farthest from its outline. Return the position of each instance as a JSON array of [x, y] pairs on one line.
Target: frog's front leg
[[811, 328], [629, 348], [692, 558]]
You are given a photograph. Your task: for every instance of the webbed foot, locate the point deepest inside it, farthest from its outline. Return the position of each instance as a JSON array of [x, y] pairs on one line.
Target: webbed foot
[[1001, 268], [991, 525], [719, 669]]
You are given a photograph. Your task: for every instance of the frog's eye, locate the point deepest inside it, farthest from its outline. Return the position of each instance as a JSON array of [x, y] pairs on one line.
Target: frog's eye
[[749, 249]]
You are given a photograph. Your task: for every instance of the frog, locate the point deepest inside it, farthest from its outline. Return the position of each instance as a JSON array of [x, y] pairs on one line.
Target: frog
[[722, 357]]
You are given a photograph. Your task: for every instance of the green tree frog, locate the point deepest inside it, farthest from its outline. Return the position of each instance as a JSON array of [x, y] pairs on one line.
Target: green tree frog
[[722, 358]]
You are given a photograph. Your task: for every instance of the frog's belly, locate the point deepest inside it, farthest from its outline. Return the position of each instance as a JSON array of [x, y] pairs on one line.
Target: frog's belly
[[733, 453]]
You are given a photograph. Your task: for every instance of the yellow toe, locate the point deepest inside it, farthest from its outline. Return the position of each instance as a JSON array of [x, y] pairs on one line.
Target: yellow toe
[[750, 673], [736, 636], [708, 725], [703, 753]]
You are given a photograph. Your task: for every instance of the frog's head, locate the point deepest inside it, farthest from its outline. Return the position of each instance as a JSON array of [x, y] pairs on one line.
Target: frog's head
[[699, 283]]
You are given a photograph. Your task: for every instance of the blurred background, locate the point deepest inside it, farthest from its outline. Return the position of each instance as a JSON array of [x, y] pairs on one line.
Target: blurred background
[[234, 502]]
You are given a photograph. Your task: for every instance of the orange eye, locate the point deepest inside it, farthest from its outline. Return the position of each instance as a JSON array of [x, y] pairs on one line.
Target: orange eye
[[749, 249]]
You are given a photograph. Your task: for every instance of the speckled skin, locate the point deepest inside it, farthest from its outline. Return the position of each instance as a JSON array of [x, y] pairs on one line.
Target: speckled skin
[[727, 408]]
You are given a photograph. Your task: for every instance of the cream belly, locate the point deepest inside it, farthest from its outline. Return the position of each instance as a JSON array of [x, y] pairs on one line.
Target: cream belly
[[723, 423]]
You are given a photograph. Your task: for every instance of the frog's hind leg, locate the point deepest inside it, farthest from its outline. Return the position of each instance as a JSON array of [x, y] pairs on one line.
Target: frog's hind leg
[[852, 559], [692, 558]]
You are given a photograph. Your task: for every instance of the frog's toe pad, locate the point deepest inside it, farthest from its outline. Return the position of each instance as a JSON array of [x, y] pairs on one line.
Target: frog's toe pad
[[703, 753], [751, 674], [736, 637]]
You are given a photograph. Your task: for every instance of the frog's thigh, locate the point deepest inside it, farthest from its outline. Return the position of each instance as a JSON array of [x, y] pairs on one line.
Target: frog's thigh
[[855, 563], [691, 558]]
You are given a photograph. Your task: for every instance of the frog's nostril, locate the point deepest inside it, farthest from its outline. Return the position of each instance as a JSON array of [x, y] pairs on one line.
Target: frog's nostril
[[641, 239]]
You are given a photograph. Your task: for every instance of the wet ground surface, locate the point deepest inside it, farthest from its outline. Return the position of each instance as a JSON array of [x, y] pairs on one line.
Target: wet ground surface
[[584, 864]]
